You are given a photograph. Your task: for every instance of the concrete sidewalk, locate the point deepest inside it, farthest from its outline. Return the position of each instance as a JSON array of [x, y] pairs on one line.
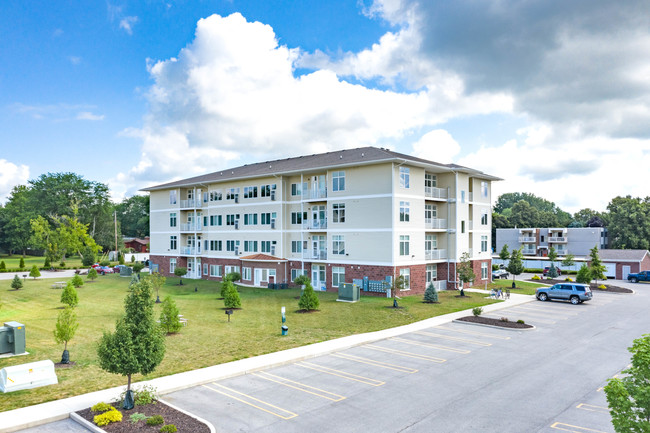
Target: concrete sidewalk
[[44, 413]]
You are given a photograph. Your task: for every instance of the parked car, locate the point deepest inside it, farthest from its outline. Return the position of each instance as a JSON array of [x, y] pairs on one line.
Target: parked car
[[641, 276], [499, 273], [548, 268], [575, 293], [103, 270], [118, 268]]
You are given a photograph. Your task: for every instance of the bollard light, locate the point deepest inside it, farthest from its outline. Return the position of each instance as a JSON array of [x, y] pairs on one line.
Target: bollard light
[[284, 317]]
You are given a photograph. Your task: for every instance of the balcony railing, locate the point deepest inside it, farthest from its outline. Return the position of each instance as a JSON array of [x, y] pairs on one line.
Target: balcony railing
[[191, 203], [439, 285], [557, 239], [315, 255], [527, 239], [435, 254], [314, 194], [315, 224], [529, 251], [470, 196], [190, 251], [433, 192], [435, 223], [191, 227], [470, 225]]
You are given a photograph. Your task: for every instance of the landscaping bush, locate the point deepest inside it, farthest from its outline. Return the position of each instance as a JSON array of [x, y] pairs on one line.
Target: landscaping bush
[[521, 321], [308, 299], [46, 264], [504, 319], [231, 298], [169, 316], [106, 418], [92, 274], [77, 281], [132, 259], [584, 275], [16, 283], [121, 260], [568, 280], [137, 267], [3, 267], [102, 407], [552, 272], [62, 265], [69, 295], [135, 417], [155, 420], [145, 395], [477, 311], [21, 265], [89, 257], [602, 287], [34, 273], [104, 263], [431, 294], [536, 277], [169, 428]]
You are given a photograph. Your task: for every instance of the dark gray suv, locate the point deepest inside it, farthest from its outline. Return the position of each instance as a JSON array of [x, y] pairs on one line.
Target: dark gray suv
[[576, 293]]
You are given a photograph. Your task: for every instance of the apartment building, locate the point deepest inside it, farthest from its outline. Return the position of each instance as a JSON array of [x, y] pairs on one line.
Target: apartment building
[[537, 241], [361, 214]]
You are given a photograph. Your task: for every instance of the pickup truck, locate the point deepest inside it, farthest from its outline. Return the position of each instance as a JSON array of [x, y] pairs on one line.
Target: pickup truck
[[641, 276]]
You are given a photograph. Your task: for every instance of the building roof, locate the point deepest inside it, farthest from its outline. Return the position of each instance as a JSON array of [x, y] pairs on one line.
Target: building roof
[[340, 158], [144, 241], [262, 258], [622, 255]]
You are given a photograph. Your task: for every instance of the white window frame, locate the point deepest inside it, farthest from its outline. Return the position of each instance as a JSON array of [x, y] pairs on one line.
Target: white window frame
[[338, 213], [205, 269], [173, 220], [246, 273], [430, 180], [173, 242], [338, 275], [432, 273], [338, 245], [404, 177], [404, 211], [172, 265], [484, 217], [172, 196], [484, 189], [295, 273], [338, 181], [484, 243], [406, 273], [296, 247], [404, 245]]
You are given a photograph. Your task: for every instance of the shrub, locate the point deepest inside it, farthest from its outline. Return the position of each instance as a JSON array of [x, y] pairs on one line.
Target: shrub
[[69, 295], [113, 415], [145, 395], [431, 294], [22, 263], [92, 274], [88, 257], [504, 319], [169, 316], [104, 263], [602, 287], [62, 265], [521, 321], [137, 267], [16, 283], [231, 298], [155, 420], [584, 275], [308, 299], [121, 260], [568, 279], [234, 276], [34, 273], [477, 311], [3, 267], [77, 281], [132, 259], [552, 272], [135, 417], [536, 277], [169, 428], [47, 263], [102, 407]]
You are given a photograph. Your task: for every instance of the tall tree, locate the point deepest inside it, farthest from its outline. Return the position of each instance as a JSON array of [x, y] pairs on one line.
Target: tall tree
[[524, 215], [628, 223], [465, 272], [516, 265], [66, 326], [596, 267], [133, 216], [64, 236], [15, 220]]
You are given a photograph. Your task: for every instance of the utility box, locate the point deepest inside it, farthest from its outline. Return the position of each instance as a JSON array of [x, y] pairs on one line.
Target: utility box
[[12, 338], [27, 376], [349, 292], [125, 271]]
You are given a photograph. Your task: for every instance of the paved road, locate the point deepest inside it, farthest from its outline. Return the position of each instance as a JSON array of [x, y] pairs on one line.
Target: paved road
[[448, 378]]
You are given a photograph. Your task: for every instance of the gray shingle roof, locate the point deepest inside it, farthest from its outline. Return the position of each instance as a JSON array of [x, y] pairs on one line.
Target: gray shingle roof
[[339, 158], [622, 255]]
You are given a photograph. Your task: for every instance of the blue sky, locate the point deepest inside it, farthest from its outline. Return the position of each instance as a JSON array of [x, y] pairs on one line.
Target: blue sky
[[552, 97]]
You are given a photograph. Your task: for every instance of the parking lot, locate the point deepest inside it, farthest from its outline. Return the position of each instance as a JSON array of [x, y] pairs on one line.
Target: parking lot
[[453, 377]]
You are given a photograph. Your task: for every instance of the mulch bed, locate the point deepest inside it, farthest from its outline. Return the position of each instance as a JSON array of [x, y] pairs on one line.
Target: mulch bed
[[183, 422], [592, 286], [494, 322], [58, 365]]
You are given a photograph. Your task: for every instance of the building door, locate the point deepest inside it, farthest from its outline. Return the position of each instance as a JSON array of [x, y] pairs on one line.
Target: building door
[[258, 277], [318, 216], [197, 268], [318, 281], [626, 272]]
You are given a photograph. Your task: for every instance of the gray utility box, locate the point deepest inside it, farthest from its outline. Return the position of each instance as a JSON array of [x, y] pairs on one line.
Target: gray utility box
[[12, 338], [125, 271], [349, 292]]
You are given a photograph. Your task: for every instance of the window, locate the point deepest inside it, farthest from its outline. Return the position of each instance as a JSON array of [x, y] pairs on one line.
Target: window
[[190, 195], [432, 273], [462, 196], [216, 245], [266, 217], [430, 180], [406, 273], [265, 246], [230, 269], [172, 265], [231, 193], [296, 247], [404, 177], [216, 220], [295, 273], [172, 219], [250, 191], [462, 226], [404, 211], [250, 219], [173, 242], [250, 246], [205, 200], [430, 212], [338, 210], [338, 245], [484, 189], [216, 195], [484, 217], [338, 275], [484, 243], [430, 242], [338, 181], [296, 189], [231, 245], [484, 271], [230, 219], [265, 190], [172, 197], [297, 217], [404, 245], [246, 274], [205, 269], [215, 270]]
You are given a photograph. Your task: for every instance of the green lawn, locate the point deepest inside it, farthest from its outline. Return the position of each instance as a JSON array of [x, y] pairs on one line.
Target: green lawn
[[207, 340], [523, 287], [13, 261]]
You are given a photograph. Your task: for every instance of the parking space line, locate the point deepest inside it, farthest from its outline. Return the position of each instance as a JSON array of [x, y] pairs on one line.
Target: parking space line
[[592, 408], [573, 428], [369, 361], [567, 312], [480, 334], [534, 318], [540, 313], [299, 386], [434, 346], [281, 413], [339, 373], [405, 353], [447, 337]]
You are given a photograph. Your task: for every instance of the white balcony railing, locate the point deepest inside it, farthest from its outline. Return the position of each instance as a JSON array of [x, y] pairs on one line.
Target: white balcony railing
[[435, 223], [191, 203], [435, 254], [529, 251], [433, 192], [315, 224], [313, 194], [557, 239], [191, 227], [439, 285], [315, 255], [527, 239], [190, 251]]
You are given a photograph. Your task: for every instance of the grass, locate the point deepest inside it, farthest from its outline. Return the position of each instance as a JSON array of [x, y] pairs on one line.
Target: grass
[[207, 340], [524, 287], [13, 261]]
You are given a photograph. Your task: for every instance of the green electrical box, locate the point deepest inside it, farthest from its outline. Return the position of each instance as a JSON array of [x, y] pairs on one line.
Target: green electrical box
[[349, 292], [12, 338]]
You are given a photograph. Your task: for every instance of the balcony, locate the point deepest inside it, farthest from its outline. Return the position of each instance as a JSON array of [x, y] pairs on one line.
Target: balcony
[[529, 252], [190, 204], [315, 255], [190, 251], [557, 239], [527, 239], [314, 194], [439, 285], [191, 227], [435, 254], [435, 223], [315, 224], [433, 192]]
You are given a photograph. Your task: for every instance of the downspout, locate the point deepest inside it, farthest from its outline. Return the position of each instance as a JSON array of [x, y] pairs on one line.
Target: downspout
[[280, 221], [302, 232], [392, 219]]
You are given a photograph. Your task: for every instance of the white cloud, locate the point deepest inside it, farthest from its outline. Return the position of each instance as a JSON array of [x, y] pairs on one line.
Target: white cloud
[[437, 145], [10, 176], [127, 23], [87, 115]]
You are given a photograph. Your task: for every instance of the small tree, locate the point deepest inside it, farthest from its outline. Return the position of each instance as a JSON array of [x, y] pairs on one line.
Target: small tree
[[21, 265], [169, 320], [504, 254], [34, 273], [596, 268], [157, 281], [137, 345], [132, 259], [552, 255], [66, 326], [16, 283], [431, 293], [180, 272], [77, 281], [516, 265], [584, 276], [308, 299], [231, 297], [552, 272], [92, 274], [69, 295], [629, 398], [47, 263], [121, 259], [399, 283], [569, 261], [3, 267], [89, 257], [137, 267], [225, 285], [234, 276], [465, 272]]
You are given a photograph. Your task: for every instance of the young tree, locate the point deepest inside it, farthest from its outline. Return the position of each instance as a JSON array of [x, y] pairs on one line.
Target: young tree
[[234, 276], [516, 265], [225, 285], [584, 276], [504, 254], [89, 256], [431, 294], [552, 272], [46, 263], [399, 283], [69, 295], [465, 272], [66, 326], [92, 274], [629, 398], [231, 297], [596, 268], [121, 259], [16, 283], [137, 267], [137, 345], [169, 320], [552, 255], [77, 281], [21, 265], [34, 273], [308, 299], [157, 281], [180, 272], [569, 260], [3, 267]]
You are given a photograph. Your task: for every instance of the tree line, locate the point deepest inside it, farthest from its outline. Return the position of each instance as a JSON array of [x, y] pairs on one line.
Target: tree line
[[63, 214], [627, 218]]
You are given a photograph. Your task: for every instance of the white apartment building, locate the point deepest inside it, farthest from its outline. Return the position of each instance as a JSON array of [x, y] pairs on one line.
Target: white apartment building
[[365, 214]]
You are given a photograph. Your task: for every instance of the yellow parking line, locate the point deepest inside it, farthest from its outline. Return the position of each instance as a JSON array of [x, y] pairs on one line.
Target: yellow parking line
[[592, 408], [480, 334], [299, 386], [434, 346], [369, 361], [405, 353], [446, 337], [281, 413], [573, 428], [339, 373]]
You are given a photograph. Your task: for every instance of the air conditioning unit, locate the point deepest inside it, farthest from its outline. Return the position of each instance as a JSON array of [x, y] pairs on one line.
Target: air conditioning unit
[[272, 223], [236, 251], [273, 195], [236, 198], [236, 224]]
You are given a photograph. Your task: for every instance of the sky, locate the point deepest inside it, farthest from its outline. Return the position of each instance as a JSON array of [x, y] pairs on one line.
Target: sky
[[551, 96]]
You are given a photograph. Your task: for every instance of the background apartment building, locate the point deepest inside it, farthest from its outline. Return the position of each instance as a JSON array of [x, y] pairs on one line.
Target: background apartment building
[[337, 217], [538, 241]]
